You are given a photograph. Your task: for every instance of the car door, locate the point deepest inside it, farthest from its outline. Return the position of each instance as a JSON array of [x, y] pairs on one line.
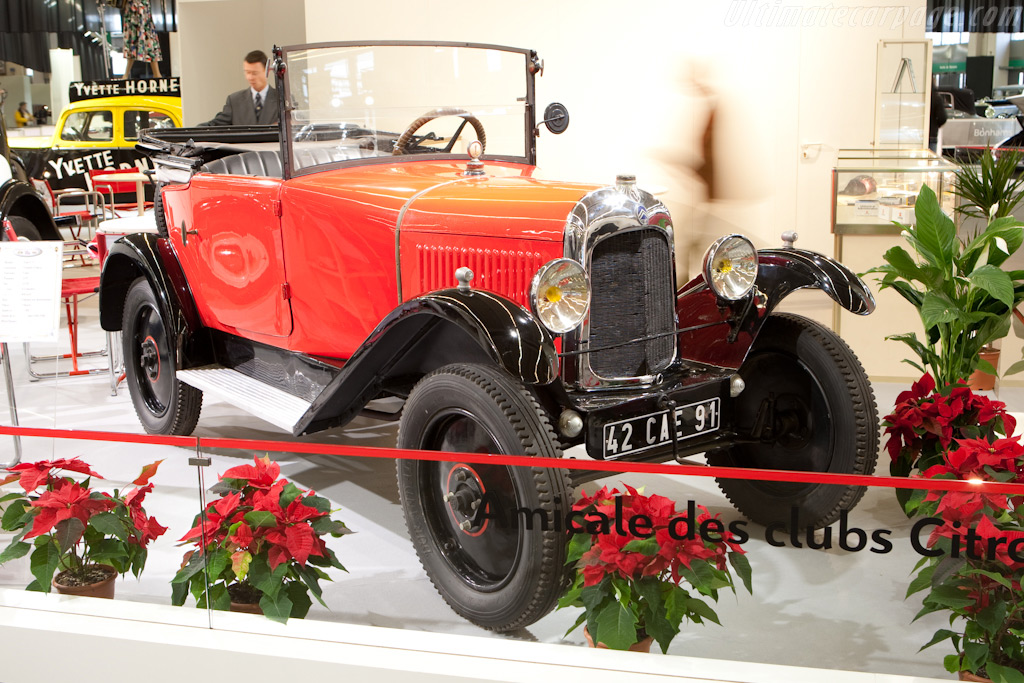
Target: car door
[[233, 254]]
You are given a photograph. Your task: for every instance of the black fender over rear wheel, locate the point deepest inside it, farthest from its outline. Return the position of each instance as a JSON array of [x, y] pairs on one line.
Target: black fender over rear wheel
[[499, 569], [810, 398], [164, 404]]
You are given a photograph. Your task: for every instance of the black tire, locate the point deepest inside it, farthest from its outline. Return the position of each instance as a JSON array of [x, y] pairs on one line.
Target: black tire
[[23, 227], [825, 421], [158, 211], [497, 575], [164, 404]]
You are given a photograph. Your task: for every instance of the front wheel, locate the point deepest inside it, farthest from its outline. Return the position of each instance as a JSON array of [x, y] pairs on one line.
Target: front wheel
[[810, 407], [164, 404], [485, 534]]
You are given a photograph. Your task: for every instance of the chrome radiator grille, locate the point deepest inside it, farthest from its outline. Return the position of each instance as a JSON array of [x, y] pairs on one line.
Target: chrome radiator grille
[[631, 276]]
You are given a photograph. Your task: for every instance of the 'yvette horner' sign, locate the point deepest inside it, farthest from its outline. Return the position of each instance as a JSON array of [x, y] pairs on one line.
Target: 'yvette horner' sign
[[86, 90]]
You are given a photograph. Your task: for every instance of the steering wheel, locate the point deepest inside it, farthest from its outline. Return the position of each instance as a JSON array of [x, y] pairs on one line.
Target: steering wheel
[[405, 137]]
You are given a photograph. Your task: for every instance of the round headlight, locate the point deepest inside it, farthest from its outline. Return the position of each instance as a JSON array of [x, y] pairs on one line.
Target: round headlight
[[560, 294], [730, 267]]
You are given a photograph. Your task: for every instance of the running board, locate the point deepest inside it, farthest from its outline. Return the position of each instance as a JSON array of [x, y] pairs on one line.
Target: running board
[[277, 407]]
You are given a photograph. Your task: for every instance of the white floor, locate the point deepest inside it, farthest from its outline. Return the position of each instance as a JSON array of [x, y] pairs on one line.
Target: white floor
[[831, 608]]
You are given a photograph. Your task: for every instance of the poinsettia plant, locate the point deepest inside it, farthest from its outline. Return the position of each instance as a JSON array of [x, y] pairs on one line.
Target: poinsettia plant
[[73, 529], [927, 421], [642, 566], [976, 572], [260, 542]]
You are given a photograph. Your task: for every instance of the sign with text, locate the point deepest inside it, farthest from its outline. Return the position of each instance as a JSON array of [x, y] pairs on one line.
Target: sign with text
[[87, 90], [30, 274]]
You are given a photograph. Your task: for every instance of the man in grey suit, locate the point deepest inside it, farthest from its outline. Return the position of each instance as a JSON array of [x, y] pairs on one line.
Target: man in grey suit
[[257, 104]]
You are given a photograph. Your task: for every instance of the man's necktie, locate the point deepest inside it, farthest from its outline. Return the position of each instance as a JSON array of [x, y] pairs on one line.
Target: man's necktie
[[259, 106]]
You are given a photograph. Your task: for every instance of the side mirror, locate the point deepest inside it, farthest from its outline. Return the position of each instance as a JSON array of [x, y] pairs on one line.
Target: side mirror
[[556, 118]]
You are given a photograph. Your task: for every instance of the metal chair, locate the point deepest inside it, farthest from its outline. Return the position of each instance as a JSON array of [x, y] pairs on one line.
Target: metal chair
[[70, 291]]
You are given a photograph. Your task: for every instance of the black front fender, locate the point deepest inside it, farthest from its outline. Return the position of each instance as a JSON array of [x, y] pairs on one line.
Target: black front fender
[[146, 255], [428, 332], [721, 333], [782, 271]]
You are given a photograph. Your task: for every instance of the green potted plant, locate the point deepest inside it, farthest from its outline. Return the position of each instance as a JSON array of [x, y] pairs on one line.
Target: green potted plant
[[990, 188], [261, 544], [85, 537], [962, 295], [975, 576], [641, 567]]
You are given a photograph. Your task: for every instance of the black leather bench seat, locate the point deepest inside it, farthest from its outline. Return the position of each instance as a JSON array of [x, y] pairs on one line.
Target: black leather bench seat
[[265, 163]]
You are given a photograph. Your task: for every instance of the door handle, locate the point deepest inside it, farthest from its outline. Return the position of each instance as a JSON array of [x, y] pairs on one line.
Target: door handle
[[185, 232]]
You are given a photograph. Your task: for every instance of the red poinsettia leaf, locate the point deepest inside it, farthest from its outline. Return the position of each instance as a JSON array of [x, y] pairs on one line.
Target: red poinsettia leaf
[[9, 478], [276, 556], [300, 512], [74, 465], [43, 523], [226, 505], [134, 498], [147, 472], [152, 530], [299, 542], [261, 474], [32, 479], [246, 472], [243, 536]]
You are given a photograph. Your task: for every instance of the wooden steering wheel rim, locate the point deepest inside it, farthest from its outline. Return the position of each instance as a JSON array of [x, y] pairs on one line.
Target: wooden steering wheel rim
[[405, 137]]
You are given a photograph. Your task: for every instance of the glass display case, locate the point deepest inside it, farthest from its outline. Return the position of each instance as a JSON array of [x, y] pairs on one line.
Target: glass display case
[[872, 188]]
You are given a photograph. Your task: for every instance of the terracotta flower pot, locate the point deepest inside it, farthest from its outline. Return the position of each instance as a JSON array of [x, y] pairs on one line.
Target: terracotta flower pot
[[104, 588], [643, 646], [245, 598], [968, 676], [247, 607], [983, 381]]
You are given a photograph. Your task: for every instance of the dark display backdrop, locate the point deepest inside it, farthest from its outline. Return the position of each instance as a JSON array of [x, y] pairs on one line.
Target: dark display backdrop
[[26, 25]]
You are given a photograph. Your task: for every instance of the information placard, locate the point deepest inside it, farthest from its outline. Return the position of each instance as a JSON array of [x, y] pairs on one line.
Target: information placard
[[30, 274]]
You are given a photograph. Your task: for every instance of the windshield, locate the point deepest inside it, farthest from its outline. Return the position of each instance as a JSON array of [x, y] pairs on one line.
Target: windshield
[[356, 102]]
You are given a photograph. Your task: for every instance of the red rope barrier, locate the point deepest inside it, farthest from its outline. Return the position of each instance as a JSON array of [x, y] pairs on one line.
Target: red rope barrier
[[611, 466]]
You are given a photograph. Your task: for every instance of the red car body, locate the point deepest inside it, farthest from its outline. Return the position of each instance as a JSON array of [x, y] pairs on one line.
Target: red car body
[[314, 269]]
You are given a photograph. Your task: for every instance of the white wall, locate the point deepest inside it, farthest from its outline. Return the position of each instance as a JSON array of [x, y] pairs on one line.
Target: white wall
[[215, 36]]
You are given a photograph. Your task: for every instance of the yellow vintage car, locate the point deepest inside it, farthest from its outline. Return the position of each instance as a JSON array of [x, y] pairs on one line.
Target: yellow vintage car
[[99, 130]]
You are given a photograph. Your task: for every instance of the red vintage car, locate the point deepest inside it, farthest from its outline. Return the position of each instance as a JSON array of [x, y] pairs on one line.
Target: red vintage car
[[390, 240]]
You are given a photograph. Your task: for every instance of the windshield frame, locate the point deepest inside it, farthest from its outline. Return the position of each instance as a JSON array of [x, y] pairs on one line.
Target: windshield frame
[[531, 62]]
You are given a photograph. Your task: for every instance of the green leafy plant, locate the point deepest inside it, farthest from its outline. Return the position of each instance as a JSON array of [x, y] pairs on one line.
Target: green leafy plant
[[260, 542], [963, 297], [649, 570], [991, 188], [76, 532], [975, 575]]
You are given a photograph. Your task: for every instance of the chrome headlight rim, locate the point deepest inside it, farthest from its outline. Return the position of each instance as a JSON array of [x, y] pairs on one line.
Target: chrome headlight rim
[[543, 277], [729, 242]]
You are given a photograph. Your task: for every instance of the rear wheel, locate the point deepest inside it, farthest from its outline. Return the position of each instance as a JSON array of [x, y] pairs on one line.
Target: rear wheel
[[809, 402], [164, 404], [23, 228], [499, 568]]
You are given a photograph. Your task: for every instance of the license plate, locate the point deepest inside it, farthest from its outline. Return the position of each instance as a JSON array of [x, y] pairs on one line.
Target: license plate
[[644, 432]]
